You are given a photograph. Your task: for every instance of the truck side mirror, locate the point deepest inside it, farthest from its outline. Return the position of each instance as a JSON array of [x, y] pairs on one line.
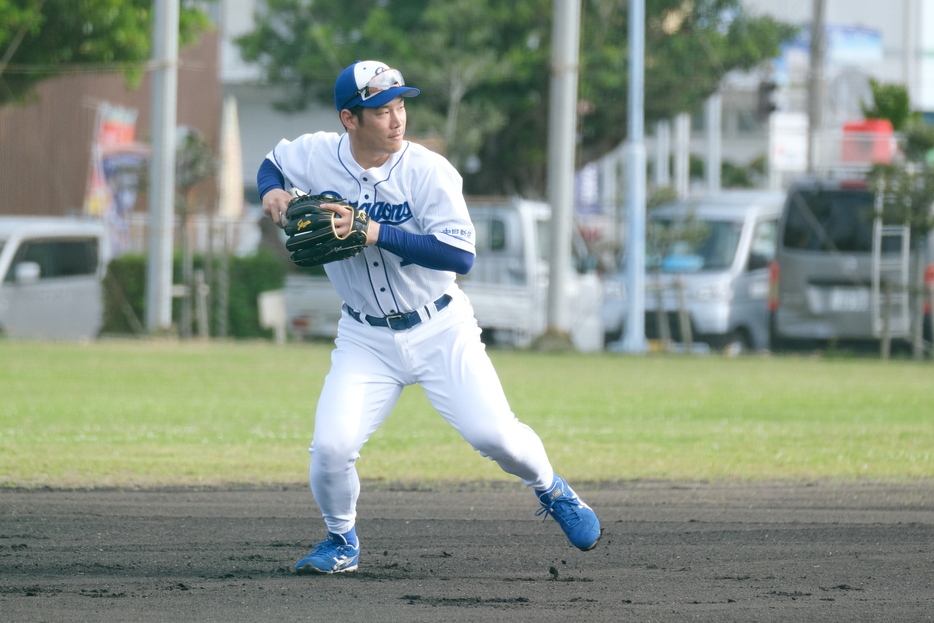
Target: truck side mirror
[[757, 261], [27, 273]]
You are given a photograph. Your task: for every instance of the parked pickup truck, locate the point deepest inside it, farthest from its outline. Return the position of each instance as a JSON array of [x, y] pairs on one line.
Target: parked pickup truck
[[508, 285], [51, 272]]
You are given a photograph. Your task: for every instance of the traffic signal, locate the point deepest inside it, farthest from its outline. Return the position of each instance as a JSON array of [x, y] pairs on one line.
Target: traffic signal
[[766, 104]]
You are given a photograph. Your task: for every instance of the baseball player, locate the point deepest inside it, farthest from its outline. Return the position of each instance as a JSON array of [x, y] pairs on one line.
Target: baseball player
[[404, 319]]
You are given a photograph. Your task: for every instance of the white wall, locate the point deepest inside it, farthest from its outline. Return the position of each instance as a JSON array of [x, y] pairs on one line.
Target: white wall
[[924, 68], [236, 18], [261, 126]]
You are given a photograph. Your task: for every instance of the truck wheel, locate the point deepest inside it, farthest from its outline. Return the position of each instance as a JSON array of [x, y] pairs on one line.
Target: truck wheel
[[737, 343], [776, 342]]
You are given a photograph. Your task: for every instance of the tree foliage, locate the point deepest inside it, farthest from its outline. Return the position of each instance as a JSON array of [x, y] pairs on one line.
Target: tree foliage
[[484, 67], [907, 195], [890, 101], [44, 38], [907, 184]]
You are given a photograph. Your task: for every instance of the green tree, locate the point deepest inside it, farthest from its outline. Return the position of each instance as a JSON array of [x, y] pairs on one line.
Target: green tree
[[448, 48], [44, 38], [906, 190], [890, 101], [483, 67], [689, 48]]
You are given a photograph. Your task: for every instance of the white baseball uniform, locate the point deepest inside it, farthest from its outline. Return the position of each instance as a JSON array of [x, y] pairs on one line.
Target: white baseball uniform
[[419, 192]]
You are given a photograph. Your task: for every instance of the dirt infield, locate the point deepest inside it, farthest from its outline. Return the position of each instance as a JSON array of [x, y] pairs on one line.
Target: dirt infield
[[670, 552]]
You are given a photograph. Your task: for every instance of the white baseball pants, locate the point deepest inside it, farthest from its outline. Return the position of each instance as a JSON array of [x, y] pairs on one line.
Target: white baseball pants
[[370, 366]]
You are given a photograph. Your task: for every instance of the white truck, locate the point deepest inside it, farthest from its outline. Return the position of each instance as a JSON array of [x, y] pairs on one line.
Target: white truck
[[508, 285], [51, 272]]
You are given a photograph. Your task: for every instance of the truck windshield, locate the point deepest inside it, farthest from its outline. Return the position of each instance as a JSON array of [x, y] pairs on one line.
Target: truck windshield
[[543, 236], [829, 220], [692, 245]]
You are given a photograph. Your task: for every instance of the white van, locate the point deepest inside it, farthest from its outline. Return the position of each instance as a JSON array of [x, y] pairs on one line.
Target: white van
[[51, 277], [710, 257]]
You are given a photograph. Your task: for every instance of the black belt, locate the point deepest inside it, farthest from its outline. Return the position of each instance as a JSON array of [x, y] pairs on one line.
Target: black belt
[[398, 322]]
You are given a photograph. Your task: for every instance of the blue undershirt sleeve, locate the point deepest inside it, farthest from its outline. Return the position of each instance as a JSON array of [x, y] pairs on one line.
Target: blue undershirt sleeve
[[424, 250], [268, 177]]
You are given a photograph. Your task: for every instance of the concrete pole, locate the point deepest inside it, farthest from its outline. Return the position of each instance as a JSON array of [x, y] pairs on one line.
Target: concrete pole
[[562, 129], [162, 167], [910, 28], [816, 85], [714, 142], [634, 339], [609, 172], [662, 154], [683, 154]]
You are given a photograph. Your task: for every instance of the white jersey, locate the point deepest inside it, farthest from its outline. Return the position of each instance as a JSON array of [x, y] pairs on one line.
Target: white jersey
[[415, 190]]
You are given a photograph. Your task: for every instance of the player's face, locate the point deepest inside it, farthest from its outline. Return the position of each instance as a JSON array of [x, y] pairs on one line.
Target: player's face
[[382, 130]]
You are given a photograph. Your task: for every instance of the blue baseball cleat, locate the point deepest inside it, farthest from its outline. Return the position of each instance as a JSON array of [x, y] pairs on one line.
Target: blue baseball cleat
[[335, 555], [579, 522]]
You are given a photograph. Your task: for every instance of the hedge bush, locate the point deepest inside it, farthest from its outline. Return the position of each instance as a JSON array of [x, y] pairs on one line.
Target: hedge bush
[[125, 294]]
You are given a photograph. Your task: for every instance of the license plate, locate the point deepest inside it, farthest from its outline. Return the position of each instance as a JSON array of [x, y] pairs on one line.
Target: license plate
[[849, 299]]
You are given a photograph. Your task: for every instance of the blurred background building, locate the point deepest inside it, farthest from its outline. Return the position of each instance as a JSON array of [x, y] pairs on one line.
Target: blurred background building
[[48, 145]]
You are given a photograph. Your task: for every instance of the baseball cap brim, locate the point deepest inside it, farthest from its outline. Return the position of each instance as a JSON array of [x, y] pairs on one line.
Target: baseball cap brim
[[383, 97]]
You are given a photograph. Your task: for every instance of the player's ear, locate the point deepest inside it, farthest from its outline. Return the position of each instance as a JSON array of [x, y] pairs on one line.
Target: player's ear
[[348, 119]]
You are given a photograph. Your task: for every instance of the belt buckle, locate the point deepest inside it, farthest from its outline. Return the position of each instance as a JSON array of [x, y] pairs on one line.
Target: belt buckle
[[396, 322]]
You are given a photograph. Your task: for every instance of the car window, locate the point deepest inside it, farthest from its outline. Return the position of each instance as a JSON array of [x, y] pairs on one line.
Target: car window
[[59, 258], [497, 234], [764, 241], [543, 235], [490, 234], [581, 258], [829, 220], [499, 251], [691, 246]]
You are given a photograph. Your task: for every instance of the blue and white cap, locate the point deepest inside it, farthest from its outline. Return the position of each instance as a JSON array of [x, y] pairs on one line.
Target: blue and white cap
[[369, 84]]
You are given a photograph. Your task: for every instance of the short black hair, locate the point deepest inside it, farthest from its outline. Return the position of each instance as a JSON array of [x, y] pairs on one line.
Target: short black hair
[[356, 111]]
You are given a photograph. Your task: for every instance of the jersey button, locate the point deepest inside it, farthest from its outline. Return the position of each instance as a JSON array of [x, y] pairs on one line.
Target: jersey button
[[375, 263], [382, 289]]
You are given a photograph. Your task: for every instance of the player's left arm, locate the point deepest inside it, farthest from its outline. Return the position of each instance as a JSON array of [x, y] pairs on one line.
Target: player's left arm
[[441, 213], [422, 249]]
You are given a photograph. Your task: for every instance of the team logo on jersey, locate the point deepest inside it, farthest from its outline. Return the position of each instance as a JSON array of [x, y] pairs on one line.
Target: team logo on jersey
[[383, 211], [389, 213]]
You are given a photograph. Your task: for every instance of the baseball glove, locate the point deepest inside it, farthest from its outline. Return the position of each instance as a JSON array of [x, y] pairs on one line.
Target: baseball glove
[[312, 236]]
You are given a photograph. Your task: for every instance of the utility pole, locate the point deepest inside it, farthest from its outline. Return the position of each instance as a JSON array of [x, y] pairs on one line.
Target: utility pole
[[663, 154], [682, 154], [714, 142], [162, 167], [562, 127], [816, 83], [634, 339]]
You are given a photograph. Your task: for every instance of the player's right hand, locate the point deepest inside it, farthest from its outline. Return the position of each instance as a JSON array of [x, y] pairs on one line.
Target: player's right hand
[[275, 203]]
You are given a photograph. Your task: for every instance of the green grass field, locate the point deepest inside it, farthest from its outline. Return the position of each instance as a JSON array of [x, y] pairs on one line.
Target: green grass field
[[128, 413]]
